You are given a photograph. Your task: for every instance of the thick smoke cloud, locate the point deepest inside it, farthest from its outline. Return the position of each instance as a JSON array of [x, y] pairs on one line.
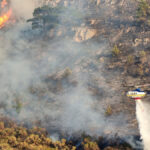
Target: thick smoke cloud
[[35, 89]]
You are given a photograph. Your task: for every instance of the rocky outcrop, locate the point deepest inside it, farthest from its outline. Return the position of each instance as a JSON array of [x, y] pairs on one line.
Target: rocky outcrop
[[84, 33]]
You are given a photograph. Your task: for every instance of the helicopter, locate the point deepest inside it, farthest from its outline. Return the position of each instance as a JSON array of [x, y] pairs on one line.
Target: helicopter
[[138, 94]]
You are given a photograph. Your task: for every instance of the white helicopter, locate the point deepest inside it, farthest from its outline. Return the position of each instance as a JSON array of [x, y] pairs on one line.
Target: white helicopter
[[136, 94]]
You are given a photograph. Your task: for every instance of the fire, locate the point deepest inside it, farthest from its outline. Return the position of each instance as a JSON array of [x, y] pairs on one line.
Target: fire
[[3, 3], [5, 16]]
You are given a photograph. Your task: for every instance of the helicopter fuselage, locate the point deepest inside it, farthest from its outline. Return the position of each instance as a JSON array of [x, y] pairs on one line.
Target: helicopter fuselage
[[136, 94]]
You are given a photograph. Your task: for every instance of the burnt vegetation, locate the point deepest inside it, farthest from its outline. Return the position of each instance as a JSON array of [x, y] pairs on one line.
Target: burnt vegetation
[[127, 63]]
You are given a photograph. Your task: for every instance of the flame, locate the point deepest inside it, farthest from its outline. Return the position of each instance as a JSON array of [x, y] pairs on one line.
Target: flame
[[3, 3], [5, 16]]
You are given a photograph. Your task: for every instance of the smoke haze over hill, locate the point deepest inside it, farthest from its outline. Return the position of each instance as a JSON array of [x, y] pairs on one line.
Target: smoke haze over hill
[[56, 82], [23, 9]]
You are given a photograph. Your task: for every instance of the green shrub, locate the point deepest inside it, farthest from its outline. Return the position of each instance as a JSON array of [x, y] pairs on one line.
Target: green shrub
[[143, 10], [108, 111], [90, 145], [115, 51], [142, 53]]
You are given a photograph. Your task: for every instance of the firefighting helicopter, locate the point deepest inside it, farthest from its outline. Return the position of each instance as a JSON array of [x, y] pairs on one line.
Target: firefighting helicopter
[[138, 94]]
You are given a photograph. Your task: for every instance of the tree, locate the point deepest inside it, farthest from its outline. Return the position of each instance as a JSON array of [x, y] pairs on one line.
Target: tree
[[47, 17], [143, 11]]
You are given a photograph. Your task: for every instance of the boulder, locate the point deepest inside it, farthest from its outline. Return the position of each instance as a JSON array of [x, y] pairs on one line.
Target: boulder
[[84, 33]]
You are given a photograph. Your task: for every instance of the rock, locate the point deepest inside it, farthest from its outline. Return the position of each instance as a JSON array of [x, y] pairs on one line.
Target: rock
[[59, 32], [84, 33], [94, 22], [137, 42], [102, 60]]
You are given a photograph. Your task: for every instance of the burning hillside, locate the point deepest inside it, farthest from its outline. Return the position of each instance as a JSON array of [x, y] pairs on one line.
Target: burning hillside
[[66, 67], [5, 13]]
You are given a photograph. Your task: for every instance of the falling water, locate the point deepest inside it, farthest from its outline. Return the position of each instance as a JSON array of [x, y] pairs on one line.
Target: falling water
[[143, 117]]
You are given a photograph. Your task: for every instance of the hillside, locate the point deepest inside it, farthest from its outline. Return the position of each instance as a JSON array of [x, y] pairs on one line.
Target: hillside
[[67, 69]]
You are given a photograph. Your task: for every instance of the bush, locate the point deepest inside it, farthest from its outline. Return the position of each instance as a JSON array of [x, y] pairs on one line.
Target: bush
[[20, 138], [143, 11], [108, 111], [115, 51], [142, 53], [90, 145]]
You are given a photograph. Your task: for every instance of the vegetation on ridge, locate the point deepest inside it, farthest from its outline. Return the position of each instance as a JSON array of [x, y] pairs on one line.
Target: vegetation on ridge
[[13, 137], [143, 11]]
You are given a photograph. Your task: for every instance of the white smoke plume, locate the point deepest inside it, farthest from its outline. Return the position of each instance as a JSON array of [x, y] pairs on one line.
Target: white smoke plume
[[143, 117], [23, 9], [32, 91], [24, 69]]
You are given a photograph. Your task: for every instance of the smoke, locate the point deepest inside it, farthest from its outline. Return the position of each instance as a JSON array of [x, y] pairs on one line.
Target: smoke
[[51, 83], [142, 112], [135, 142], [23, 9]]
